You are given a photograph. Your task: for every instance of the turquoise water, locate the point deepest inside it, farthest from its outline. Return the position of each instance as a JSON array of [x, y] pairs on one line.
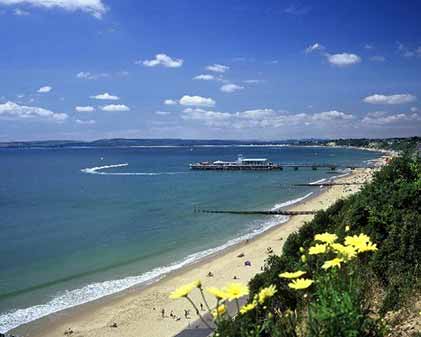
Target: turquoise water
[[70, 233]]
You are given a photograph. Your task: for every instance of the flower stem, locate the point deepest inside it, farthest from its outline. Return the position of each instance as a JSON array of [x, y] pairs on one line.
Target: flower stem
[[198, 312], [238, 305], [204, 299]]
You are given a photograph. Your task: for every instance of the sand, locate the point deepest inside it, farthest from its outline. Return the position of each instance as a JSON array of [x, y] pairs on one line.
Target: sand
[[137, 312]]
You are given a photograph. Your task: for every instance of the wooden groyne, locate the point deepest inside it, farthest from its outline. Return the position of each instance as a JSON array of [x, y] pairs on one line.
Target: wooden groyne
[[279, 212]]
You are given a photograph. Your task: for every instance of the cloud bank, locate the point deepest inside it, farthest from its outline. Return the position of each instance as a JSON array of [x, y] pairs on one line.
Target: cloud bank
[[95, 8], [14, 110]]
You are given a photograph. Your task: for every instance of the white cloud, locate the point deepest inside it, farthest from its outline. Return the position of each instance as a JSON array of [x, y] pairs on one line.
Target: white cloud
[[343, 59], [253, 81], [217, 68], [163, 60], [297, 10], [255, 114], [385, 119], [408, 53], [415, 109], [390, 99], [44, 90], [85, 122], [115, 107], [86, 75], [212, 118], [84, 108], [204, 77], [368, 46], [377, 114], [11, 109], [377, 58], [162, 113], [231, 87], [105, 96], [265, 118], [197, 101], [331, 115], [170, 102], [20, 12], [123, 73], [93, 7], [314, 47]]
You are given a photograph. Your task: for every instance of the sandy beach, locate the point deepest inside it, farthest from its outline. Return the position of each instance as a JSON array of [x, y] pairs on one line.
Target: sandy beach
[[137, 311]]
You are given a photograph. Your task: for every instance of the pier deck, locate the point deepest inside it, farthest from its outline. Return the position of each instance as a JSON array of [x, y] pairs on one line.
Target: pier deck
[[273, 167]]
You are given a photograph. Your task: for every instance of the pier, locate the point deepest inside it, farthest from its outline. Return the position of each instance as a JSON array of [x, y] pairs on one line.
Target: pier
[[268, 167], [260, 164]]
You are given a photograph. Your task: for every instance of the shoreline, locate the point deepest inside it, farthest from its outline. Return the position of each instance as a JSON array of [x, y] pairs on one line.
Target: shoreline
[[95, 317]]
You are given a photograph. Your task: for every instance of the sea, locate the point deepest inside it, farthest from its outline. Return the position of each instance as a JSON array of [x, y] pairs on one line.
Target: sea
[[78, 224]]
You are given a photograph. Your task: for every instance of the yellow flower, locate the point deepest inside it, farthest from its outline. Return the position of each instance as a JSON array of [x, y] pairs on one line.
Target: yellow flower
[[295, 274], [317, 249], [303, 258], [218, 293], [347, 228], [347, 252], [222, 309], [336, 262], [197, 283], [367, 247], [235, 290], [326, 237], [356, 240], [266, 293], [248, 307], [183, 291], [300, 283], [361, 243]]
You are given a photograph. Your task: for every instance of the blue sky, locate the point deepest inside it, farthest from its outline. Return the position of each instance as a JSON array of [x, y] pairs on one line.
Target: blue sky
[[89, 69]]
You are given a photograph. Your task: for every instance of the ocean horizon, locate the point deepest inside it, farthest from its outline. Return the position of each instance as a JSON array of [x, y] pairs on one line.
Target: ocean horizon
[[83, 223]]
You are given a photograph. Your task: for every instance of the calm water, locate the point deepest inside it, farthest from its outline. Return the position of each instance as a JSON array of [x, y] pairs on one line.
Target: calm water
[[69, 236]]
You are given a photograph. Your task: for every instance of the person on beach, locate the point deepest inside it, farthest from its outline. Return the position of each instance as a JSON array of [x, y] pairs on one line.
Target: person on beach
[[163, 313]]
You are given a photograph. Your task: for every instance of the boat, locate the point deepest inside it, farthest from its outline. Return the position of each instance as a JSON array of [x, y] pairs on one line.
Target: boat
[[240, 164]]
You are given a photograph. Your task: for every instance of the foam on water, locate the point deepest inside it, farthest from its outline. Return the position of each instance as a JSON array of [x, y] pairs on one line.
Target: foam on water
[[290, 202], [94, 291], [330, 179], [99, 170]]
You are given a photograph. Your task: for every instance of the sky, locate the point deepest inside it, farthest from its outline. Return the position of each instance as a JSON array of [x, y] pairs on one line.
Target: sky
[[215, 69]]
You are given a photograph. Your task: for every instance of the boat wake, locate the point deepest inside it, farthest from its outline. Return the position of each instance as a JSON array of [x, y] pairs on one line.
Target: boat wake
[[100, 170], [94, 291]]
